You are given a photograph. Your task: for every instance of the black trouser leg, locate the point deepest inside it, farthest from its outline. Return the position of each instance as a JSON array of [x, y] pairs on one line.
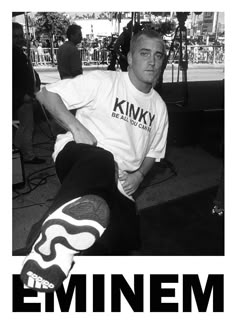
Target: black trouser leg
[[84, 169]]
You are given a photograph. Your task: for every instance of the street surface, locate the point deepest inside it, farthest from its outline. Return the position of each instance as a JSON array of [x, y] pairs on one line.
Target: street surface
[[196, 72]]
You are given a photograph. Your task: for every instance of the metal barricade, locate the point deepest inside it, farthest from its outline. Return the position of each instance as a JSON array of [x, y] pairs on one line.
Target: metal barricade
[[205, 54], [96, 57], [47, 56], [202, 54], [196, 54]]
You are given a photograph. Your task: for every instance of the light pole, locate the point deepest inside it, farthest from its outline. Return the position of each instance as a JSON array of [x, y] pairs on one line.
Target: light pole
[[181, 35], [216, 26], [52, 44]]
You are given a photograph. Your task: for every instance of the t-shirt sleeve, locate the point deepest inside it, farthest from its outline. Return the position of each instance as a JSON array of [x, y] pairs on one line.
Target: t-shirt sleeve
[[159, 139], [76, 92]]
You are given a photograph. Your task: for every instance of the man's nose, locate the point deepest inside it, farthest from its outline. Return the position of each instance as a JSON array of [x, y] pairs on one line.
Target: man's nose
[[151, 59]]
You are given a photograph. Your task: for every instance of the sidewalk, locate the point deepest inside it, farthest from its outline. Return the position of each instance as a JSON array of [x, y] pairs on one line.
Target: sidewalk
[[104, 66], [195, 73]]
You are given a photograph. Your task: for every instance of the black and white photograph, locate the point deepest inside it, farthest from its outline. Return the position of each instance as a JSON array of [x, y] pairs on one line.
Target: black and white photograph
[[118, 138]]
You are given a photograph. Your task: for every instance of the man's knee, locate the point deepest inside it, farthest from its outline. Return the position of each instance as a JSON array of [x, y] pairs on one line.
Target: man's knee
[[105, 159]]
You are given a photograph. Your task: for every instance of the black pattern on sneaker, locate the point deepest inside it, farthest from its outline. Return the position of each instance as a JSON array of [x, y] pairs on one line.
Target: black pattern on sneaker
[[58, 231], [73, 227], [50, 279]]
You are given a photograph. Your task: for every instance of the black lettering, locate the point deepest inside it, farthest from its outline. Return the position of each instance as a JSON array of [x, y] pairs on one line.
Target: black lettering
[[157, 293], [142, 116], [19, 293], [127, 108], [49, 302], [214, 284], [132, 112], [76, 284], [98, 293], [135, 299], [118, 105], [115, 115], [151, 118]]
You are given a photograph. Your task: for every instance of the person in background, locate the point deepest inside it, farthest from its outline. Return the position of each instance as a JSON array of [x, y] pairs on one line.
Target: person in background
[[122, 44], [60, 42], [25, 81], [113, 55], [195, 53], [118, 133], [41, 54], [34, 49], [69, 61]]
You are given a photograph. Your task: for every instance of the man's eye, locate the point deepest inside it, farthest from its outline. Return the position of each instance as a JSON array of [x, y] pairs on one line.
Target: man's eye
[[159, 56], [144, 53]]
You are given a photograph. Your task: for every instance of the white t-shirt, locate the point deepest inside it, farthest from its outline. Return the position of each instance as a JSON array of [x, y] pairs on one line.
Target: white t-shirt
[[130, 124]]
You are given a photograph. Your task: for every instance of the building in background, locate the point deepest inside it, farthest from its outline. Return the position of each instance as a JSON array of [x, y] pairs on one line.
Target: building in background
[[208, 25]]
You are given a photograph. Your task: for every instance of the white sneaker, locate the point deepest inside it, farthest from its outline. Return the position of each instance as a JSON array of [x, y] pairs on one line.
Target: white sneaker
[[72, 228]]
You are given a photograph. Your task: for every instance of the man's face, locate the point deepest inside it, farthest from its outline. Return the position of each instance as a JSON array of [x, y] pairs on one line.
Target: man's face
[[18, 38], [145, 63]]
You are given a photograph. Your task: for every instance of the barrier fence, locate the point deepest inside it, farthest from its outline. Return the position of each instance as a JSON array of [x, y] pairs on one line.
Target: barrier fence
[[205, 54], [196, 54], [97, 56]]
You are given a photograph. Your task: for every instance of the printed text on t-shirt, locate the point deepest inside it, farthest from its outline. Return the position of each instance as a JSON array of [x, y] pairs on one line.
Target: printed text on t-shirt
[[136, 115]]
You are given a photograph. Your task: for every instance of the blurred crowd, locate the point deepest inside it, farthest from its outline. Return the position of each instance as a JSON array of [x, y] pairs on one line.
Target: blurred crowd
[[199, 52], [101, 51], [92, 50]]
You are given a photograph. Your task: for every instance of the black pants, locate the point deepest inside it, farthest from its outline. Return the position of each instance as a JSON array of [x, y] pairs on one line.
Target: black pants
[[83, 169]]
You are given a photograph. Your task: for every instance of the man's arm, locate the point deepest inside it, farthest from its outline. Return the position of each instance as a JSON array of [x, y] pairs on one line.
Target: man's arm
[[147, 164], [54, 104], [131, 181]]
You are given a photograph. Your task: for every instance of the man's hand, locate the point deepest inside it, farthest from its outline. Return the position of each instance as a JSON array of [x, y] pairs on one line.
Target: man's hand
[[82, 135], [130, 181]]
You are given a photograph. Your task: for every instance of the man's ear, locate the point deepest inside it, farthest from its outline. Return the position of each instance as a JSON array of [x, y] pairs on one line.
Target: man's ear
[[129, 58]]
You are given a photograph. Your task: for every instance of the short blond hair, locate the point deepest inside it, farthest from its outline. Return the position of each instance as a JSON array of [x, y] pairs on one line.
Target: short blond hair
[[150, 33]]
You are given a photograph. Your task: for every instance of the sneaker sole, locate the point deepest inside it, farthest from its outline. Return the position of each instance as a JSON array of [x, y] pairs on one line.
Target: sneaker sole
[[76, 225], [73, 227]]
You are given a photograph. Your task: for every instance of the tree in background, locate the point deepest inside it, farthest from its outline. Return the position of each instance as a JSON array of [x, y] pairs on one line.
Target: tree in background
[[164, 27], [51, 24]]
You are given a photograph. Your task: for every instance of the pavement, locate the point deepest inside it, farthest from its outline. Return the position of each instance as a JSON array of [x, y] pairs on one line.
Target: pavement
[[193, 165], [50, 67], [196, 72]]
